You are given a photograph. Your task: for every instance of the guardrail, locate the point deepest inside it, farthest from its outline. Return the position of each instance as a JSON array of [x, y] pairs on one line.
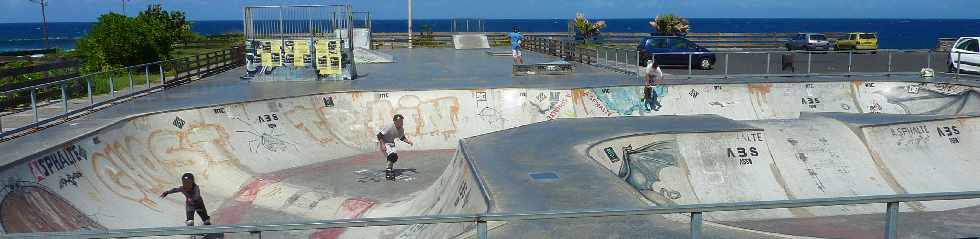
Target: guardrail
[[726, 64], [87, 93], [695, 211]]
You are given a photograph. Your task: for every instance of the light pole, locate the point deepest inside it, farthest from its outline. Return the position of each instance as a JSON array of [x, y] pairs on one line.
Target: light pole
[[124, 7], [409, 23], [44, 20]]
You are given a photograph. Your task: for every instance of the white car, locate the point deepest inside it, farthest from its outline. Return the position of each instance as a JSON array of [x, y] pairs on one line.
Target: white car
[[965, 55]]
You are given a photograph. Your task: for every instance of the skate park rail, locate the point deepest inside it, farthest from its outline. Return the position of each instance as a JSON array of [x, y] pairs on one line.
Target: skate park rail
[[695, 211]]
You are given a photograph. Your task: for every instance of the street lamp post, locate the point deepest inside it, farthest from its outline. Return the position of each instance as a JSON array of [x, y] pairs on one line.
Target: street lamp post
[[409, 23], [44, 20]]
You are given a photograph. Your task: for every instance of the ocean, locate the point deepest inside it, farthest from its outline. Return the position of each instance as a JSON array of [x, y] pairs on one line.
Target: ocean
[[892, 33]]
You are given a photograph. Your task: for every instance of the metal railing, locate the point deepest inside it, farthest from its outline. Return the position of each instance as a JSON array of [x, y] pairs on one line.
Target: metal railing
[[87, 93], [725, 64], [695, 211]]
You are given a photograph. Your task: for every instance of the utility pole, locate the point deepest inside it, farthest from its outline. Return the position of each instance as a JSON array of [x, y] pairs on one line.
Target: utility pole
[[409, 23], [124, 7], [44, 20]]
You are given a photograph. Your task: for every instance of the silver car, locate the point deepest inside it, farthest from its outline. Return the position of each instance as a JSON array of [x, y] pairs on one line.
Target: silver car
[[809, 42]]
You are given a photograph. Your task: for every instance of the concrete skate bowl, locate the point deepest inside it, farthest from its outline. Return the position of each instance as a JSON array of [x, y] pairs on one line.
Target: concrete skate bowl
[[315, 157]]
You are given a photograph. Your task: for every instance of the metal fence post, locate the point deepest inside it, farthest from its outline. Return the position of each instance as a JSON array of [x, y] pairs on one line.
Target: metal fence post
[[130, 72], [34, 103], [146, 69], [726, 65], [959, 56], [809, 62], [696, 220], [64, 97], [163, 78], [112, 85], [890, 61], [850, 58], [929, 60], [768, 62], [690, 65], [481, 228], [88, 86], [891, 232]]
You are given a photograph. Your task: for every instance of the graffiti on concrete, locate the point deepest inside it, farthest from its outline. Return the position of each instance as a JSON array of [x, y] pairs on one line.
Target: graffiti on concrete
[[642, 166], [928, 98], [69, 179], [610, 101], [354, 123], [54, 162], [265, 138], [139, 170], [30, 207]]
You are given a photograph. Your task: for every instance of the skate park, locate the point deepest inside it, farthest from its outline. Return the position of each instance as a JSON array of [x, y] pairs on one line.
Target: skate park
[[523, 154]]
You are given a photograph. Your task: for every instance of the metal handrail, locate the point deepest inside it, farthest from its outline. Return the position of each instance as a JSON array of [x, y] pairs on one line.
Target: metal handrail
[[481, 219], [102, 72], [183, 68]]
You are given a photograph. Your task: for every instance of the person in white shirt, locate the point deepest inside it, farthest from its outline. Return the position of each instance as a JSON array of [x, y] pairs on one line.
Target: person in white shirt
[[386, 142], [654, 76]]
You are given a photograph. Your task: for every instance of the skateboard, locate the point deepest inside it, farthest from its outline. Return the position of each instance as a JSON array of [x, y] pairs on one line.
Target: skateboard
[[390, 174], [209, 236]]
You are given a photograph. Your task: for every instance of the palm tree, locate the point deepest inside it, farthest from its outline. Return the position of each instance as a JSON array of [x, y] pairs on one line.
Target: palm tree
[[671, 25], [586, 28], [44, 20]]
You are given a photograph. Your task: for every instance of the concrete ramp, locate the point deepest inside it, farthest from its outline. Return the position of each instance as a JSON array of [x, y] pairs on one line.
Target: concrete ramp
[[315, 157], [368, 56], [471, 41]]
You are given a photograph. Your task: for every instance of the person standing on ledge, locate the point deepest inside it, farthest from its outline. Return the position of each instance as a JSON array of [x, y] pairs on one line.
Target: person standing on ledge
[[515, 46], [386, 142], [192, 199]]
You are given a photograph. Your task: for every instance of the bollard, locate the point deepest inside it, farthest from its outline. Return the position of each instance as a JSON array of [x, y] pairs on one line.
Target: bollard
[[850, 58], [889, 61]]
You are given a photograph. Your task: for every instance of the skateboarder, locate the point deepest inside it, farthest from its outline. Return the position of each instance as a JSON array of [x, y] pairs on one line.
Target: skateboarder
[[386, 142], [515, 46], [654, 76], [192, 199]]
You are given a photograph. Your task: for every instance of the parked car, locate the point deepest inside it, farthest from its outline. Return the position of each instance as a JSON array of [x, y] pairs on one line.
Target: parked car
[[657, 46], [965, 55], [809, 42], [858, 41]]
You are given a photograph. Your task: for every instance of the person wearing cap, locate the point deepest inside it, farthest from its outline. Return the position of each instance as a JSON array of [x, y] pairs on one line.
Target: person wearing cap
[[654, 76], [386, 142], [193, 202], [515, 46]]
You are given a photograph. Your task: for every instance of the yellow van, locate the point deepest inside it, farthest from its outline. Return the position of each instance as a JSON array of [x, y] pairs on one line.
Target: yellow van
[[858, 41]]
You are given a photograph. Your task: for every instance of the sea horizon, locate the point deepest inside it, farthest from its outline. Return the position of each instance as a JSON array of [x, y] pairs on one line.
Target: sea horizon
[[896, 33]]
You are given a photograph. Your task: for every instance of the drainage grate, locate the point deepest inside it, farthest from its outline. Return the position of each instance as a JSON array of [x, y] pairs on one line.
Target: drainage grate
[[543, 176]]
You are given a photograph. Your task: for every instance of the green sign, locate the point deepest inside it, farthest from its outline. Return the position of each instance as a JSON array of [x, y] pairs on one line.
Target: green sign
[[611, 154]]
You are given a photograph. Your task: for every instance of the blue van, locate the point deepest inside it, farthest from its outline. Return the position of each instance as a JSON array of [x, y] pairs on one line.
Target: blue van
[[701, 57]]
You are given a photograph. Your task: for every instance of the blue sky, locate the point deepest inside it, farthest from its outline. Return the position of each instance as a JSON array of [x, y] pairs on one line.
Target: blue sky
[[89, 10]]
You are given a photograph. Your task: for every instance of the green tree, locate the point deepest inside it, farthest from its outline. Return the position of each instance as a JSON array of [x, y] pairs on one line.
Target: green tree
[[117, 40], [671, 25], [586, 28]]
